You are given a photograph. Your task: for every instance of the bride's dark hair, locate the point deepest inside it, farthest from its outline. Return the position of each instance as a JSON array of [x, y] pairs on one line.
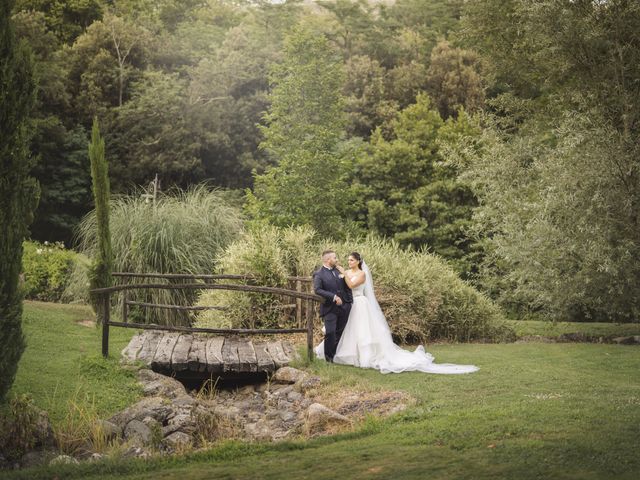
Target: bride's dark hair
[[358, 257]]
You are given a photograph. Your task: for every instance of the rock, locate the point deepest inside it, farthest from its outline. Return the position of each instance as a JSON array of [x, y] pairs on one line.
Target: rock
[[288, 416], [110, 429], [44, 435], [183, 422], [136, 452], [319, 418], [573, 337], [178, 440], [294, 396], [283, 392], [246, 390], [158, 385], [34, 458], [97, 457], [138, 432], [261, 430], [307, 384], [155, 407], [624, 340], [288, 375], [63, 460]]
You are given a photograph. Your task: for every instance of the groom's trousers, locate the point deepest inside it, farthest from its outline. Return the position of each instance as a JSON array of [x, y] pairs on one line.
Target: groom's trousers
[[334, 322]]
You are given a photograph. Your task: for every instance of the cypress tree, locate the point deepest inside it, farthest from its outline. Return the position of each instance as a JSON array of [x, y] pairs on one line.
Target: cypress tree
[[103, 261], [18, 191]]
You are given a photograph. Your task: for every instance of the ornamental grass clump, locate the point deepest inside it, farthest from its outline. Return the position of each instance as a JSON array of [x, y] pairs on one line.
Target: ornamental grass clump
[[422, 297], [181, 232], [269, 255]]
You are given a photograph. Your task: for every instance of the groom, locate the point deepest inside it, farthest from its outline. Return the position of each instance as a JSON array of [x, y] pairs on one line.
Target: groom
[[329, 284]]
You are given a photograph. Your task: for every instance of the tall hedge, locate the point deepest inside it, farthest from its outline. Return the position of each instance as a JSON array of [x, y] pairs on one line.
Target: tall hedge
[[102, 265], [18, 191]]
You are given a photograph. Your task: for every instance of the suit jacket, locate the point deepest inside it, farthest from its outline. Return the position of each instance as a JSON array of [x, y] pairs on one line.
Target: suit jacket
[[328, 285]]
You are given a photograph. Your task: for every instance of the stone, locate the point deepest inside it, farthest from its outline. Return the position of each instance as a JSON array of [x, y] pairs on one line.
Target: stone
[[156, 407], [319, 418], [138, 432], [294, 396], [136, 452], [626, 340], [246, 390], [261, 430], [288, 416], [44, 435], [158, 385], [110, 429], [34, 458], [183, 422], [64, 460], [307, 384], [96, 457], [178, 440], [288, 375]]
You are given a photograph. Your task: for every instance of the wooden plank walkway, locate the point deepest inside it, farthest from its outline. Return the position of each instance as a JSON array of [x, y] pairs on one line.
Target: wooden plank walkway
[[186, 352]]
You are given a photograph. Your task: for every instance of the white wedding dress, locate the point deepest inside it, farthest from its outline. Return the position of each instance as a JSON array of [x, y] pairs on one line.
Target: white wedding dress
[[366, 341]]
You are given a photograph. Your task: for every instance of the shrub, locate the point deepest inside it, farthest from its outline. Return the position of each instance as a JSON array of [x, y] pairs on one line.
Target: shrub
[[18, 427], [46, 268], [422, 297], [182, 232], [270, 255]]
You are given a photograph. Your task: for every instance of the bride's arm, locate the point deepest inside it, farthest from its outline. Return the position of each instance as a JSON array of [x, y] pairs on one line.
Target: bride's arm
[[354, 280]]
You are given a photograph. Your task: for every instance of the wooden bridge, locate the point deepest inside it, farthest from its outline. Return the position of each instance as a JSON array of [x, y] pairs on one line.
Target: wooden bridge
[[192, 355], [188, 351]]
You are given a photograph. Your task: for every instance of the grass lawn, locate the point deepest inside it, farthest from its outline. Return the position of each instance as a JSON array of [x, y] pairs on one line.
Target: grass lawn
[[534, 410], [62, 364], [555, 329]]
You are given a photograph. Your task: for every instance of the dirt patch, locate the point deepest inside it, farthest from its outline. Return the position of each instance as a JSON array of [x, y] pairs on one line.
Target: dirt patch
[[87, 323]]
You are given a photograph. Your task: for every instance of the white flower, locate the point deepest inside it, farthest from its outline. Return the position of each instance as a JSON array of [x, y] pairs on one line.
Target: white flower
[[38, 251]]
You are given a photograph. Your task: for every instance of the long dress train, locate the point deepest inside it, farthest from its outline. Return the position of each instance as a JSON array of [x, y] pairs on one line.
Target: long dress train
[[367, 343]]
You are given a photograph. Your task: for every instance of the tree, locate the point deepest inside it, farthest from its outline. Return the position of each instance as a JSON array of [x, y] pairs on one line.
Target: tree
[[304, 126], [100, 276], [454, 80], [558, 178], [410, 192], [18, 190]]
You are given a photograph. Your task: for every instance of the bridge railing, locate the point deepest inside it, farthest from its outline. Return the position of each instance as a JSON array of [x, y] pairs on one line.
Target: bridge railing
[[104, 294]]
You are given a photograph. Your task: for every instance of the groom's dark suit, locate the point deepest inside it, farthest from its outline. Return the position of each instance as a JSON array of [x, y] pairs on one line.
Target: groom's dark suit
[[328, 284]]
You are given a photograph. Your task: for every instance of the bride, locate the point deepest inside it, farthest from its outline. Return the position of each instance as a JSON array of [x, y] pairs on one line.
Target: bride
[[366, 341]]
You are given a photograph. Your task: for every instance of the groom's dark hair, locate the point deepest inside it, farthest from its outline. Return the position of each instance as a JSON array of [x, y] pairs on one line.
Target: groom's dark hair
[[326, 252]]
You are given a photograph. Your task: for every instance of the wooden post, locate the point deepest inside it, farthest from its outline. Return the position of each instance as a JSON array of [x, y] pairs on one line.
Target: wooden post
[[125, 306], [310, 337], [299, 305], [105, 325]]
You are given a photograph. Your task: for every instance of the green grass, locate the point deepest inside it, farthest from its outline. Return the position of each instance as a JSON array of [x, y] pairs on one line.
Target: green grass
[[534, 410], [63, 363], [555, 329]]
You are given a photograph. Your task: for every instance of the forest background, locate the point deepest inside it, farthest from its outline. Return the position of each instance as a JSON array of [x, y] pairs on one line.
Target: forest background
[[500, 135]]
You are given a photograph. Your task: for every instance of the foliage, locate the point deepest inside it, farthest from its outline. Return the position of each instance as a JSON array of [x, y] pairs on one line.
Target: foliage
[[102, 255], [18, 190], [269, 254], [427, 205], [421, 296], [18, 427], [558, 179], [304, 127], [454, 81], [46, 269], [182, 232]]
